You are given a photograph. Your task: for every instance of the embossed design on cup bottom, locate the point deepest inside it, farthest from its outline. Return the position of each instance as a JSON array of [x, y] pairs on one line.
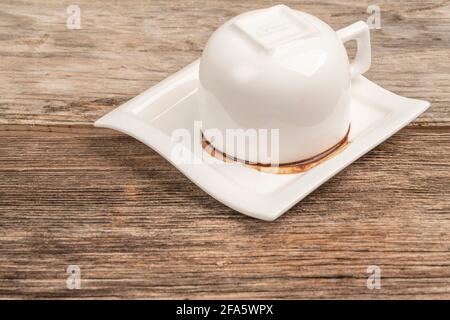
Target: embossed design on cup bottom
[[282, 168]]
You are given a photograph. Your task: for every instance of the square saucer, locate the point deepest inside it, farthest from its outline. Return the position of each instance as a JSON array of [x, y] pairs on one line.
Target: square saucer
[[153, 116]]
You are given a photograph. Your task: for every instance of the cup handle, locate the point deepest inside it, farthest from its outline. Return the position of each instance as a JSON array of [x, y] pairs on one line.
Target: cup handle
[[360, 32]]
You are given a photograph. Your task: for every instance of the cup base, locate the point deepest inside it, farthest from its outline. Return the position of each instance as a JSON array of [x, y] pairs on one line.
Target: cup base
[[282, 168]]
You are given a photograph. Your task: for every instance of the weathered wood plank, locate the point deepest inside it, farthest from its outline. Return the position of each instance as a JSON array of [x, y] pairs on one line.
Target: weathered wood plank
[[72, 194], [138, 228], [53, 75]]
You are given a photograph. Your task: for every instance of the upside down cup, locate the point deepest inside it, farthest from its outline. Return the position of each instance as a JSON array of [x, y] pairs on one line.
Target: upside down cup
[[283, 73]]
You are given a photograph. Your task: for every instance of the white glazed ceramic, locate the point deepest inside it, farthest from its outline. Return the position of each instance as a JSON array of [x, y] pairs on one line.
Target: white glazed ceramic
[[154, 115], [279, 68]]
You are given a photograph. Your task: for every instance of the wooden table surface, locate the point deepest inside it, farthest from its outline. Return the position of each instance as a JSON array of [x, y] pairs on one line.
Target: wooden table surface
[[71, 194]]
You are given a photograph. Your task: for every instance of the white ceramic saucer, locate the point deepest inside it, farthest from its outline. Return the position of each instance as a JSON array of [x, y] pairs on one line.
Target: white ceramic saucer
[[152, 116]]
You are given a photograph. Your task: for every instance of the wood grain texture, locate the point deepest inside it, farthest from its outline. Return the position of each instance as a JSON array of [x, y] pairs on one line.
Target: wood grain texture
[[73, 194]]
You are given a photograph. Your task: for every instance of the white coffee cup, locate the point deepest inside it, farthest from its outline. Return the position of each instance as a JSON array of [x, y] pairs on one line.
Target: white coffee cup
[[279, 68]]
